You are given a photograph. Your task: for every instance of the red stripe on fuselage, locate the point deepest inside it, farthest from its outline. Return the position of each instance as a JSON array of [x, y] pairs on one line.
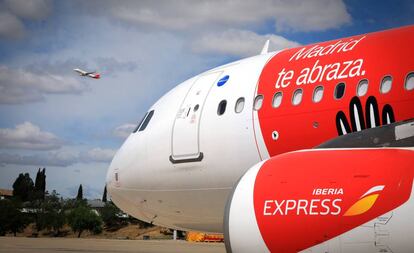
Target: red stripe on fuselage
[[371, 56]]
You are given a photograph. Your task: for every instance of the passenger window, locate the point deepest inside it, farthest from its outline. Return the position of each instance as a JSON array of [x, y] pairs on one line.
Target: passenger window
[[409, 82], [317, 94], [386, 84], [258, 102], [146, 121], [362, 87], [297, 97], [139, 124], [339, 91], [239, 105], [277, 100], [222, 107]]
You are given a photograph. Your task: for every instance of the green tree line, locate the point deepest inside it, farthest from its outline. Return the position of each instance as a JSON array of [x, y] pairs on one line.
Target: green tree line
[[31, 203]]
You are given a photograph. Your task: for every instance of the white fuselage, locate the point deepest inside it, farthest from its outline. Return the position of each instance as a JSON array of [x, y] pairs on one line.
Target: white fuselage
[[191, 195], [203, 145]]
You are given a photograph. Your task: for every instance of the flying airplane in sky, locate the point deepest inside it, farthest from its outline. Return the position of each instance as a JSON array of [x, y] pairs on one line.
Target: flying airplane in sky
[[308, 149], [89, 74]]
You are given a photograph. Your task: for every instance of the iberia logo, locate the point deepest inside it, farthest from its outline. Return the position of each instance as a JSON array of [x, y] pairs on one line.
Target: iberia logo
[[365, 202]]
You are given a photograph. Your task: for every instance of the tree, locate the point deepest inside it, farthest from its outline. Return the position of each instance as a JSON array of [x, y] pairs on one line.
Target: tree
[[69, 204], [80, 193], [11, 218], [43, 188], [104, 195], [23, 187], [109, 216], [37, 183], [84, 218], [40, 184], [51, 215]]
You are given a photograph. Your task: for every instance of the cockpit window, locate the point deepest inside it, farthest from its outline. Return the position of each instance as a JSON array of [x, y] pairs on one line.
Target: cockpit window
[[146, 121], [140, 123]]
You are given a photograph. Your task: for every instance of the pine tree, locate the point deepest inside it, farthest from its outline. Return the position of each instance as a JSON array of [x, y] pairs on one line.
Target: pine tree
[[104, 195], [43, 183], [38, 180], [37, 194], [80, 193], [40, 184]]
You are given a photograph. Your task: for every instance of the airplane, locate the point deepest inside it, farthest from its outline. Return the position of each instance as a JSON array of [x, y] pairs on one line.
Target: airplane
[[308, 149], [89, 74]]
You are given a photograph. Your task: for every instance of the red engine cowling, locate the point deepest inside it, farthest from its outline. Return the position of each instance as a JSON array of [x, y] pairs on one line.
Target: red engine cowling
[[318, 200]]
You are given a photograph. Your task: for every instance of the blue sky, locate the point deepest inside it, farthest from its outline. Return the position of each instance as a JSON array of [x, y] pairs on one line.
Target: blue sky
[[50, 117]]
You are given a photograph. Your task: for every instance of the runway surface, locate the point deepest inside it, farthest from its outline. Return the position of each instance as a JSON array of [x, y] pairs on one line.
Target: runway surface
[[73, 245]]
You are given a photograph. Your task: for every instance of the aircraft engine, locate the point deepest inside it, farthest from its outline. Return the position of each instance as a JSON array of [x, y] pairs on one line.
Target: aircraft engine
[[325, 200]]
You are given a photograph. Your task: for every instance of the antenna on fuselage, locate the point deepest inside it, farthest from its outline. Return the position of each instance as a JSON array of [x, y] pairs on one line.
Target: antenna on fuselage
[[265, 48]]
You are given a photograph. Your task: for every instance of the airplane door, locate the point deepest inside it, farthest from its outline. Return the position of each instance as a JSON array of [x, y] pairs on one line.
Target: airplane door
[[185, 141]]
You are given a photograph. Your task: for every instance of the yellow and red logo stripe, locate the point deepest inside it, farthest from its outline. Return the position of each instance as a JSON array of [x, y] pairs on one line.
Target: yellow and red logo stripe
[[365, 202]]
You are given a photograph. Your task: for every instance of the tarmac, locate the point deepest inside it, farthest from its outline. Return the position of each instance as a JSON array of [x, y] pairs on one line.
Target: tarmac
[[73, 245]]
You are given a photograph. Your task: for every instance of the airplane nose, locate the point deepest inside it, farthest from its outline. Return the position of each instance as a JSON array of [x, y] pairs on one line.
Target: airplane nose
[[119, 163], [125, 170], [126, 174], [110, 175]]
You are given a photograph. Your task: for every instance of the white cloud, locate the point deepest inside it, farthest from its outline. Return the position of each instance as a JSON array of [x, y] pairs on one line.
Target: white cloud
[[19, 86], [107, 66], [89, 40], [315, 15], [110, 65], [123, 131], [61, 158], [10, 26], [28, 136], [297, 15], [239, 43], [30, 9], [97, 155], [15, 11]]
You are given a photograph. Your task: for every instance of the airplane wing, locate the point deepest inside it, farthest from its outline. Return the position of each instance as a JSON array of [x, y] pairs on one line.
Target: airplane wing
[[398, 134], [81, 72], [91, 74]]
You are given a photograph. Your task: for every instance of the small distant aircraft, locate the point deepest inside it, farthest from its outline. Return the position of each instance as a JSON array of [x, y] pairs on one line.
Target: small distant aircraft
[[89, 74]]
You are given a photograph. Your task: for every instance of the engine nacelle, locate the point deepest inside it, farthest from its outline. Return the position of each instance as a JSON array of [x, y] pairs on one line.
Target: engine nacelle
[[326, 200]]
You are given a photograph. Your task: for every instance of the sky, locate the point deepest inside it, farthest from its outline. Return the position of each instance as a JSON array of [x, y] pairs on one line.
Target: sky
[[52, 118]]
